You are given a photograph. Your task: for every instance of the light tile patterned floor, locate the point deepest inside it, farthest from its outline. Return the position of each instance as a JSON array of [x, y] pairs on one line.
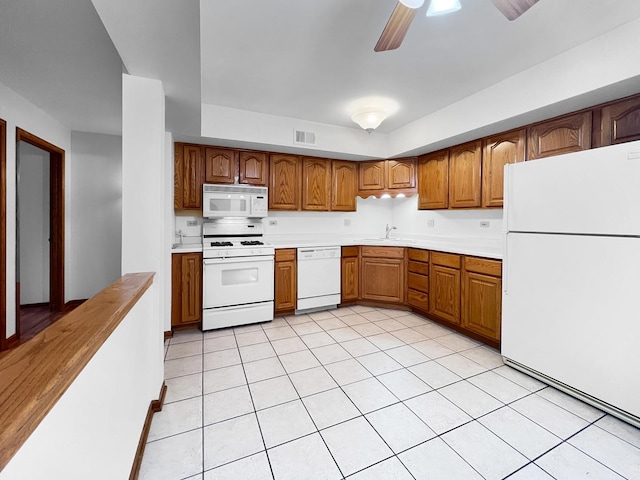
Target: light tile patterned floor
[[369, 393]]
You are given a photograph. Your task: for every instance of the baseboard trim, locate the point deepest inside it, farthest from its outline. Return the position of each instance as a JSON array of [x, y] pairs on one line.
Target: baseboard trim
[[168, 334], [154, 406]]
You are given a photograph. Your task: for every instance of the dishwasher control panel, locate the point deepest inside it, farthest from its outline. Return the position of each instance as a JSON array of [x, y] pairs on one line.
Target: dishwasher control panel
[[318, 252]]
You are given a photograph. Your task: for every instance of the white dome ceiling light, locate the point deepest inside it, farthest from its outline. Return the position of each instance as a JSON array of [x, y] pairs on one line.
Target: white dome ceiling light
[[370, 112]]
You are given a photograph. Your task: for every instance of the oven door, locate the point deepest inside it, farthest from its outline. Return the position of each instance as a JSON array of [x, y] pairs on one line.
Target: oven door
[[237, 281], [218, 205]]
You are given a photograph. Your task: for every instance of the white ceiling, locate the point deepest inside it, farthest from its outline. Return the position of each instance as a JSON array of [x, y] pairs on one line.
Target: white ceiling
[[296, 58]]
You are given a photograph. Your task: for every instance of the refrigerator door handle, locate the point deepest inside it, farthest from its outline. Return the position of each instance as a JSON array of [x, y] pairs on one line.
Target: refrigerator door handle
[[505, 198], [505, 270]]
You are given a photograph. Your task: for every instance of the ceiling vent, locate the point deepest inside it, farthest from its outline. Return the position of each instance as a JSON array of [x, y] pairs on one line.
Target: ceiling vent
[[304, 138]]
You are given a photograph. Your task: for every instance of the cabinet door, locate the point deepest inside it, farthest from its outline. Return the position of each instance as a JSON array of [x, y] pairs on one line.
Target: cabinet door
[[401, 173], [498, 151], [382, 279], [561, 135], [444, 293], [433, 180], [371, 175], [220, 165], [285, 286], [192, 176], [465, 164], [254, 168], [344, 185], [349, 290], [178, 176], [482, 304], [619, 123], [316, 184], [284, 182], [186, 288]]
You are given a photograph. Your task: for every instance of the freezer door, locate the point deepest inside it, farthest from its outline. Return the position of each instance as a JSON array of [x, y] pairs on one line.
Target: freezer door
[[596, 192], [570, 311]]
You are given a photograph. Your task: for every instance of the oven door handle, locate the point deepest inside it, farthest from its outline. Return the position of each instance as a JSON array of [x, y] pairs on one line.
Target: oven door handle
[[228, 260]]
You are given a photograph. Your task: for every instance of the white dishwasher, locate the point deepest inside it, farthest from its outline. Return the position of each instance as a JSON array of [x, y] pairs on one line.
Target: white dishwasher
[[318, 278]]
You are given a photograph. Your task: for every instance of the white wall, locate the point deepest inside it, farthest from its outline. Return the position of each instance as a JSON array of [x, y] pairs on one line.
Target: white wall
[[449, 223], [92, 432], [17, 111], [33, 206], [143, 183], [95, 213]]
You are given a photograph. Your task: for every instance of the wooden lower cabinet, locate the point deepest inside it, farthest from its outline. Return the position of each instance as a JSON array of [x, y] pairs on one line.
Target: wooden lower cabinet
[[444, 286], [418, 278], [186, 289], [349, 290], [382, 274], [482, 296], [285, 281]]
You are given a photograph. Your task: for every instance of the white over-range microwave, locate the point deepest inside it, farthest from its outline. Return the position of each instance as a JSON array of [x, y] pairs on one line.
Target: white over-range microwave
[[247, 201]]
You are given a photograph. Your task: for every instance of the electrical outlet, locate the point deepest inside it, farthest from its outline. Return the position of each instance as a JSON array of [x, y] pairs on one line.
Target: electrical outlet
[[273, 223], [192, 223], [431, 223], [484, 224], [347, 222]]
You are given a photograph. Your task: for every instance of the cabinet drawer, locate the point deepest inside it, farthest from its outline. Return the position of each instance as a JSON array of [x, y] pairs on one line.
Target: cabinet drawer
[[445, 259], [285, 254], [382, 252], [417, 267], [418, 299], [349, 251], [483, 265], [418, 255], [418, 282]]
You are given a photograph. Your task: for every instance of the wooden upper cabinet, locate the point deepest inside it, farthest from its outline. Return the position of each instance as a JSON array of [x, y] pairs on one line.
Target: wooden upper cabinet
[[401, 173], [254, 168], [220, 165], [316, 184], [498, 151], [561, 135], [617, 122], [284, 182], [433, 180], [344, 185], [465, 166], [191, 169], [371, 175]]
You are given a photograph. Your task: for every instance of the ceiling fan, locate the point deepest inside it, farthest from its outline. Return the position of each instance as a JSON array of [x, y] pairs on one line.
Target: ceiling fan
[[402, 16]]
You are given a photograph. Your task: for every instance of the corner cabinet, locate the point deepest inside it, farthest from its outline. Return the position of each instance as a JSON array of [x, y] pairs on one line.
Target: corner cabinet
[[371, 176], [285, 281], [349, 277], [444, 286], [482, 296], [498, 151], [186, 289], [284, 182], [344, 185], [382, 274], [387, 176], [433, 180]]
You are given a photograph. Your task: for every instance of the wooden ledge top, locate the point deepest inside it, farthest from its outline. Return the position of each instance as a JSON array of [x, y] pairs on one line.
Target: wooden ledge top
[[34, 375]]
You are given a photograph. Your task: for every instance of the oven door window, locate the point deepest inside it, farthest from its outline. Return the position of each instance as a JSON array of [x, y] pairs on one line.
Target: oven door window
[[237, 282]]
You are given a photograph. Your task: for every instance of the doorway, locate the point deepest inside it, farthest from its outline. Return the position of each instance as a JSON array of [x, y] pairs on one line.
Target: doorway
[[39, 234]]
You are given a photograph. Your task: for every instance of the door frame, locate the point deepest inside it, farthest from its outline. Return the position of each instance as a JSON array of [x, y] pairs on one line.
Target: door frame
[[4, 341], [56, 246]]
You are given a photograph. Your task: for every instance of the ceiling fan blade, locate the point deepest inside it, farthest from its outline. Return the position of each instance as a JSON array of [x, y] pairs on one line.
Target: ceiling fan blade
[[396, 28], [512, 9]]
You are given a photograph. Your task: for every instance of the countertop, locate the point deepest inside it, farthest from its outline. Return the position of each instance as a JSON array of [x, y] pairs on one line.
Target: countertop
[[487, 247]]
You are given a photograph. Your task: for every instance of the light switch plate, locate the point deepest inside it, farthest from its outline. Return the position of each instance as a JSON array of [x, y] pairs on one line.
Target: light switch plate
[[273, 223], [484, 224], [431, 223]]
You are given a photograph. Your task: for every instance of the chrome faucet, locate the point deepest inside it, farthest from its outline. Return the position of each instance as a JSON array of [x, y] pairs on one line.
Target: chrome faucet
[[180, 234], [388, 230]]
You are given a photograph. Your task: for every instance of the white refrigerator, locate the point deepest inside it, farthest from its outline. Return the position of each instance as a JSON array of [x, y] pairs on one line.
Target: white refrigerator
[[571, 274]]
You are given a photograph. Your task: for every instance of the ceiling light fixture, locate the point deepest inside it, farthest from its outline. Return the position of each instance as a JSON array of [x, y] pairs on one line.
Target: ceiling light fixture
[[412, 3], [440, 7], [369, 119]]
